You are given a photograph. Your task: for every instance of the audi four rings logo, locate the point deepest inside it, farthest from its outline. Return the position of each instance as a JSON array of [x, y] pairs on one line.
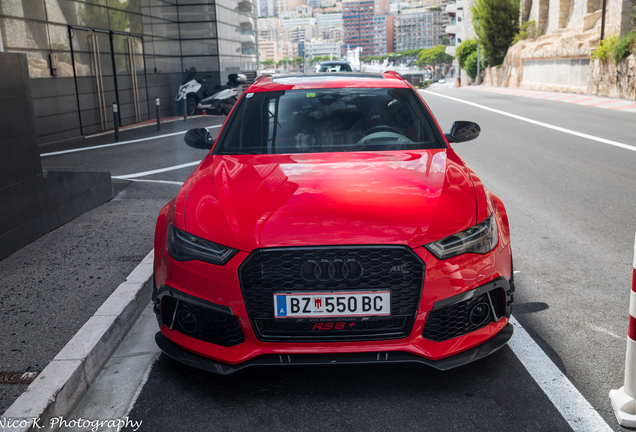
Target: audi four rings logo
[[336, 269]]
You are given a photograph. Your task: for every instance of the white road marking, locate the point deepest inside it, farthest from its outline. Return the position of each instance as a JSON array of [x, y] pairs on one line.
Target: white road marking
[[157, 181], [538, 123], [118, 143], [572, 405], [605, 331], [157, 171]]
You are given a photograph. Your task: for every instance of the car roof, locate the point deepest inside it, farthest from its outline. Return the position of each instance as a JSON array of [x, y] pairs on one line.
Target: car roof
[[333, 62], [328, 80]]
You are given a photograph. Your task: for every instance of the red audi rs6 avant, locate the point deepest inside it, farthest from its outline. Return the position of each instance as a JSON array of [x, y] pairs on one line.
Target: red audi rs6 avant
[[331, 222]]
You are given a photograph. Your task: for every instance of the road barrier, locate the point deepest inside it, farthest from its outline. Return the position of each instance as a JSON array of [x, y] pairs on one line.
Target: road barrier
[[623, 399]]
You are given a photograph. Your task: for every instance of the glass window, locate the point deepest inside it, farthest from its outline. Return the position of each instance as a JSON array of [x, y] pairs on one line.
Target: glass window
[[197, 30], [75, 13], [197, 13], [199, 47], [166, 30], [124, 21], [164, 11], [129, 5], [167, 47], [202, 63], [59, 37], [168, 64], [33, 9], [329, 120], [229, 48], [181, 2], [24, 34]]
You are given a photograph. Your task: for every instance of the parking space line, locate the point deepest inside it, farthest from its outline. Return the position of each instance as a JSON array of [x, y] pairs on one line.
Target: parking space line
[[538, 123], [119, 143], [157, 171], [572, 405], [156, 181]]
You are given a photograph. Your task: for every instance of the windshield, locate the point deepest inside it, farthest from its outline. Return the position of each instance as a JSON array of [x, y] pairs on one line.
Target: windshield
[[329, 120], [189, 75], [334, 68]]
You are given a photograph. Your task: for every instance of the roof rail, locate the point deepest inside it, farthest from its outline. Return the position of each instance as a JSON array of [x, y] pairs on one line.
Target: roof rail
[[395, 74]]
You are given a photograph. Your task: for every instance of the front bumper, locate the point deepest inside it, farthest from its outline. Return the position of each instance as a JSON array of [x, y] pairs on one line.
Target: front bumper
[[464, 357]]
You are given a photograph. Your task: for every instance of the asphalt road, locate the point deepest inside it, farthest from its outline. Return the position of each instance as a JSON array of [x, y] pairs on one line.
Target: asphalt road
[[571, 206]]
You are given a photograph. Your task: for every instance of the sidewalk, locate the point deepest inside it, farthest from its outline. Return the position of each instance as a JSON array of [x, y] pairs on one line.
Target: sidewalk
[[50, 288], [573, 98]]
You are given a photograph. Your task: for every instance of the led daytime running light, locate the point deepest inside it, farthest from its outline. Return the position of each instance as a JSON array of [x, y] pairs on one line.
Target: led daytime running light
[[479, 239], [183, 246]]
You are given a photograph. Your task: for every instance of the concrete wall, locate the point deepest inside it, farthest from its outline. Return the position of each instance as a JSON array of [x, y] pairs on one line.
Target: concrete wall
[[34, 202]]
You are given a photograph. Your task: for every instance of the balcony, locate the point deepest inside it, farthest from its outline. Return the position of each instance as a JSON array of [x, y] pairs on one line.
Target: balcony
[[454, 29], [453, 7]]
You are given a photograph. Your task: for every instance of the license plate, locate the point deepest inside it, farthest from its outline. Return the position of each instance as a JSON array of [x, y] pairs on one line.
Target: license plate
[[342, 304]]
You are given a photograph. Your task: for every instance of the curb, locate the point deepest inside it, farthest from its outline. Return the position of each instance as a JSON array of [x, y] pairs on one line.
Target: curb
[[63, 382]]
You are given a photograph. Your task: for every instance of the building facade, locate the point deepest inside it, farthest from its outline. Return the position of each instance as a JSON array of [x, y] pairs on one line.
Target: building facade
[[84, 56], [383, 35], [321, 48], [358, 25], [418, 28]]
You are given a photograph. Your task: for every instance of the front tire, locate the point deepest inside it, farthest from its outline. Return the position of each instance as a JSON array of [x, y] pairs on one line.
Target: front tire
[[191, 105]]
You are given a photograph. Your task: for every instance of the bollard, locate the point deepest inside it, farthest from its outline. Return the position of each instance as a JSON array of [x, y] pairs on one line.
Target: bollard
[[116, 121], [185, 107], [157, 103], [623, 399]]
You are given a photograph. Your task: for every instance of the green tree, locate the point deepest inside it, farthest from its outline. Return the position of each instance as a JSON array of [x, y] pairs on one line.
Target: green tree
[[470, 65], [283, 62], [268, 62], [464, 50], [434, 56], [496, 23]]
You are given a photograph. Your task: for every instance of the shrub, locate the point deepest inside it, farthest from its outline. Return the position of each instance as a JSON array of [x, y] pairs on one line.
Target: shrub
[[465, 49], [471, 65], [528, 30], [623, 47], [615, 48]]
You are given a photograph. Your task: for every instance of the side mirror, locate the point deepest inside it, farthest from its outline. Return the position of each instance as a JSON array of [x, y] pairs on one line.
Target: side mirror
[[462, 131], [199, 139]]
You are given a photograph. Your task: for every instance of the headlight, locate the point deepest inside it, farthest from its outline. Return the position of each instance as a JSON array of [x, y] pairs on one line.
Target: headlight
[[182, 246], [479, 239]]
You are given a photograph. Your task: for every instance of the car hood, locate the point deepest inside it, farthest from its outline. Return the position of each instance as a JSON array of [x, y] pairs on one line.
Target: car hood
[[399, 197]]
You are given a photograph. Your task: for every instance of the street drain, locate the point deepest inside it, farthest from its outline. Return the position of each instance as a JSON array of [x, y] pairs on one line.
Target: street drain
[[131, 258], [18, 377]]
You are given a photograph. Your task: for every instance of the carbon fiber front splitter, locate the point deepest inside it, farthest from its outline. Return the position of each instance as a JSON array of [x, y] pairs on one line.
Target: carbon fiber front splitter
[[465, 357]]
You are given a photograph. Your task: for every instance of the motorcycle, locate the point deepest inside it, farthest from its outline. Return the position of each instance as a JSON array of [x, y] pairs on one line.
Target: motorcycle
[[198, 95]]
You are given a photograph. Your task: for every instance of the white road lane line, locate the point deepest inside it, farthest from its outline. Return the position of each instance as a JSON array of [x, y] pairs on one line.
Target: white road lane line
[[118, 143], [538, 123], [572, 405], [156, 181], [157, 171]]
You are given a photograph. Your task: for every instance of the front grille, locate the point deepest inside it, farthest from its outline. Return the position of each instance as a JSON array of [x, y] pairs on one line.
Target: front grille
[[454, 320], [208, 325], [396, 268]]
